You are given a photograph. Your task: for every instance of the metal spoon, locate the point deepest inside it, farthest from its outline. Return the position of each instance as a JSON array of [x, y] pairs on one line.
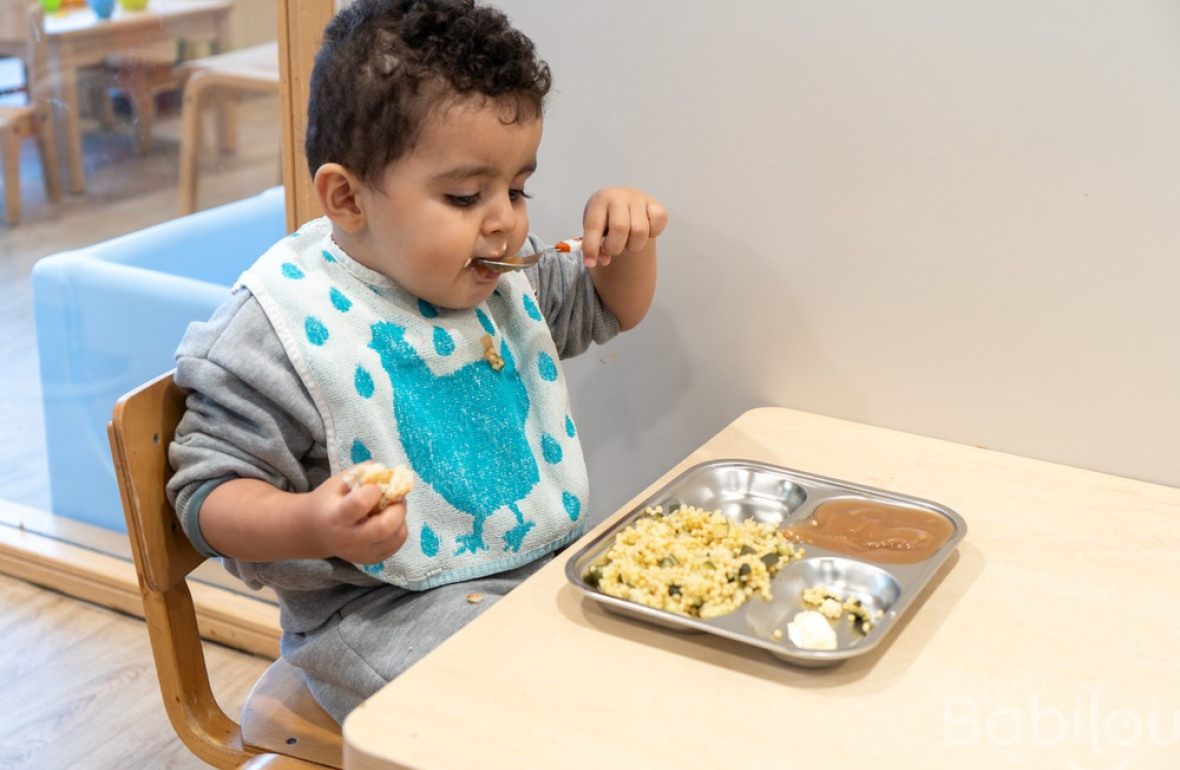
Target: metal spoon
[[515, 262]]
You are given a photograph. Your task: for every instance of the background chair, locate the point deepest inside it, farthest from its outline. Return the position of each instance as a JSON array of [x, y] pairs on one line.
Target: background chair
[[280, 715], [25, 114], [142, 74], [219, 79], [140, 70]]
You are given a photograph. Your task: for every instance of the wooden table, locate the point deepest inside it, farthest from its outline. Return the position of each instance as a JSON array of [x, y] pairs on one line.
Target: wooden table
[[77, 38], [1049, 641]]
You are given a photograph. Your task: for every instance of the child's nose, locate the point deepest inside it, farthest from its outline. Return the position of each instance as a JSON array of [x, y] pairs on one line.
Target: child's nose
[[501, 216]]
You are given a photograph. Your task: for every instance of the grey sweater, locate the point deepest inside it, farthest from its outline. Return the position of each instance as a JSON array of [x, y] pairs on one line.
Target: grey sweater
[[250, 416]]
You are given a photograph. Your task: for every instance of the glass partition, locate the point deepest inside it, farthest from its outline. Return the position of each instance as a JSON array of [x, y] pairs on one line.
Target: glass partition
[[145, 114]]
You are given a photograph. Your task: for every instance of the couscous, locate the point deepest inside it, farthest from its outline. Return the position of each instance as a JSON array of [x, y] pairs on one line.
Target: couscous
[[692, 562], [831, 604]]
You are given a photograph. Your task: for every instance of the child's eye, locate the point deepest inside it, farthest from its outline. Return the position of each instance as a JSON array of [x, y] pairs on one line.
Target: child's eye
[[463, 201], [518, 194]]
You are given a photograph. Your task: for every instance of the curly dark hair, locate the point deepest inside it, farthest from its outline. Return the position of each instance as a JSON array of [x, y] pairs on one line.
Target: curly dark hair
[[385, 64]]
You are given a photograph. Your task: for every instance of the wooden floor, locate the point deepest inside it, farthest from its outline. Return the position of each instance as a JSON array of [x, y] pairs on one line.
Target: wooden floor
[[78, 690], [77, 686]]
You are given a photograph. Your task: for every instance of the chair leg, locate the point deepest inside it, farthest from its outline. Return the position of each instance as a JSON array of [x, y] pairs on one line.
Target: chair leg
[[227, 122], [190, 140], [11, 152], [145, 118], [47, 147], [95, 89], [105, 107], [68, 85], [143, 106]]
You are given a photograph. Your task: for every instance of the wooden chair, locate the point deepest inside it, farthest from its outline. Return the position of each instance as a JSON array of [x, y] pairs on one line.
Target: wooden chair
[[143, 74], [279, 717], [25, 115], [219, 79]]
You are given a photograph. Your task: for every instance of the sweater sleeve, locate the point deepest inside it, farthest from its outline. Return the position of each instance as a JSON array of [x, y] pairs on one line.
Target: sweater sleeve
[[248, 413], [569, 302]]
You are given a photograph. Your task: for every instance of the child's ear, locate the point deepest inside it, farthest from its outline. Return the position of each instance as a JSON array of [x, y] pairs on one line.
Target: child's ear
[[339, 191]]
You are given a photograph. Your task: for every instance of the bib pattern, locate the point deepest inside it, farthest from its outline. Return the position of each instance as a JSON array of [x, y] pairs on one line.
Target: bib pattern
[[500, 475]]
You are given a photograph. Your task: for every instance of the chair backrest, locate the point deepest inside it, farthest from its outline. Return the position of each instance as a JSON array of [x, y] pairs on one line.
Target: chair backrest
[[144, 423], [22, 35], [36, 56], [280, 714], [142, 427]]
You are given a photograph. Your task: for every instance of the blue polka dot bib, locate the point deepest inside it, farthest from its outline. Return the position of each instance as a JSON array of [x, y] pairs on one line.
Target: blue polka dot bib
[[500, 477]]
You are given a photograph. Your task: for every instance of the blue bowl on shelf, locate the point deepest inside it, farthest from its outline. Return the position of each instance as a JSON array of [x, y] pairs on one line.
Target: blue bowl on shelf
[[102, 8]]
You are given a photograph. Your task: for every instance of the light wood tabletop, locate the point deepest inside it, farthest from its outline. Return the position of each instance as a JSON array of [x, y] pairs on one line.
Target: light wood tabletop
[[1048, 640]]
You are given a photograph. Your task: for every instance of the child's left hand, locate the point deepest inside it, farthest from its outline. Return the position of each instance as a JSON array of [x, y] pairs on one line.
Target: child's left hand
[[619, 220]]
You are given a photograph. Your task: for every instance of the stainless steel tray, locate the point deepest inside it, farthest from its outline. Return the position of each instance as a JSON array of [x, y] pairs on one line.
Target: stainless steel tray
[[780, 496]]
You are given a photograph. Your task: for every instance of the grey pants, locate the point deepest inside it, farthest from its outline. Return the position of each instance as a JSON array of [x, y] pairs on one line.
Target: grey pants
[[383, 632]]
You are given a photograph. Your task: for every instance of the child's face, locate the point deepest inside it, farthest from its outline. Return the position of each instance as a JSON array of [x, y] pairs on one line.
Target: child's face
[[457, 195]]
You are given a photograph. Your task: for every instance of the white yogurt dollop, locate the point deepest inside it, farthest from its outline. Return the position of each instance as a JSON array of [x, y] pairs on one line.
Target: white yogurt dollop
[[809, 630]]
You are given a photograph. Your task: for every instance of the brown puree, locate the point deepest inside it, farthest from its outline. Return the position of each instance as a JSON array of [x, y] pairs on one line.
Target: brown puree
[[874, 531]]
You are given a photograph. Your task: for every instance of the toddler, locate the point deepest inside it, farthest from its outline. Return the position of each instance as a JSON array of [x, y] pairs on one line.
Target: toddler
[[374, 333]]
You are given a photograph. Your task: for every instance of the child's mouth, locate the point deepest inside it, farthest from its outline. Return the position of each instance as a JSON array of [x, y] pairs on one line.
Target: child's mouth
[[485, 273]]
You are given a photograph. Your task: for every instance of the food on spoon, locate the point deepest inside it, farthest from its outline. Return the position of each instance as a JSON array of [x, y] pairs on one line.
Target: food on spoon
[[691, 561], [507, 261], [395, 482]]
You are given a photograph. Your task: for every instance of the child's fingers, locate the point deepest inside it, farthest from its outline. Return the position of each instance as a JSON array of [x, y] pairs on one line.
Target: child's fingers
[[385, 532], [618, 220], [618, 229], [383, 524], [657, 219], [593, 227], [360, 502], [640, 230]]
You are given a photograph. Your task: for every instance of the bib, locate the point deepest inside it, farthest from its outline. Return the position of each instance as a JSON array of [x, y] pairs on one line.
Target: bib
[[472, 401]]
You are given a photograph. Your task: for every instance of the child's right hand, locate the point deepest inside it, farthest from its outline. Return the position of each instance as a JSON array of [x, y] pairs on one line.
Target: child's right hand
[[347, 524]]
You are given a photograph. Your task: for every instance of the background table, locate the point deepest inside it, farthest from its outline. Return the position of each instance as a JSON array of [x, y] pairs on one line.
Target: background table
[[77, 38], [1048, 641]]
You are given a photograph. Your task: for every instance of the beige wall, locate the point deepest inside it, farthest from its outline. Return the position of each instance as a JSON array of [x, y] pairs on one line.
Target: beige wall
[[950, 217]]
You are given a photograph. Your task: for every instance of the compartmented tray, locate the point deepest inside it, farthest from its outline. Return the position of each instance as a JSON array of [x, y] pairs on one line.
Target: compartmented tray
[[783, 498]]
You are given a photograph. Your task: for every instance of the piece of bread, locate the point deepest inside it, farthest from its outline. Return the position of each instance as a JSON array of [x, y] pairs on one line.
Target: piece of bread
[[395, 483]]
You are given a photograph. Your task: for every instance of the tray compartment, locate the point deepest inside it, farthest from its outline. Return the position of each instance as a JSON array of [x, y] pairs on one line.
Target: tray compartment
[[878, 590], [738, 491]]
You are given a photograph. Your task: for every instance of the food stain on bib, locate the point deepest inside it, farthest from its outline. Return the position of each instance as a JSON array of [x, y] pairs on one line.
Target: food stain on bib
[[874, 531]]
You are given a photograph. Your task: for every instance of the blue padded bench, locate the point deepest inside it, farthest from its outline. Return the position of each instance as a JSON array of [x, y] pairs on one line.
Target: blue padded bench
[[109, 317]]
